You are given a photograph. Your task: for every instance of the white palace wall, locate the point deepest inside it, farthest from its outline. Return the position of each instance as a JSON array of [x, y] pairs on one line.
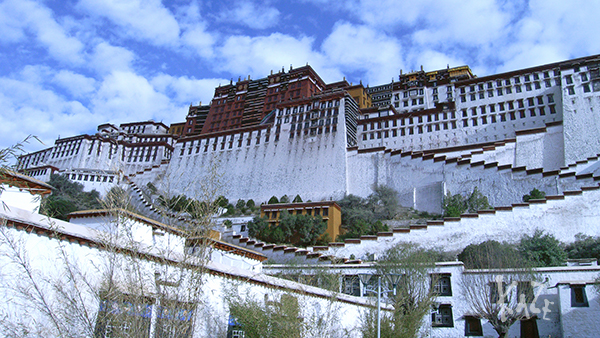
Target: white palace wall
[[563, 217], [266, 161], [581, 109], [421, 183]]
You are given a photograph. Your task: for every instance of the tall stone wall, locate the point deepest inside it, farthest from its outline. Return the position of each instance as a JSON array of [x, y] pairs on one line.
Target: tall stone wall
[[580, 110], [271, 161], [503, 173]]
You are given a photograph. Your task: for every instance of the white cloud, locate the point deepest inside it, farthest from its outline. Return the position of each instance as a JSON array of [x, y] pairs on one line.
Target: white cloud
[[197, 38], [553, 31], [31, 109], [448, 23], [257, 56], [433, 60], [78, 85], [361, 48], [126, 97], [141, 19], [186, 90], [107, 58], [20, 16], [252, 15]]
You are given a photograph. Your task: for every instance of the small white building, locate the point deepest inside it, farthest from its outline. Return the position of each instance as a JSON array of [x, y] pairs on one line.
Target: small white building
[[563, 303]]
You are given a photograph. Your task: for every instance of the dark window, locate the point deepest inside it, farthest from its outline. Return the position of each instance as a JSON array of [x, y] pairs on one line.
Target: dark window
[[441, 284], [123, 317], [442, 316], [174, 319], [529, 328], [495, 292], [586, 88], [578, 296], [525, 291], [584, 77], [473, 326], [568, 79]]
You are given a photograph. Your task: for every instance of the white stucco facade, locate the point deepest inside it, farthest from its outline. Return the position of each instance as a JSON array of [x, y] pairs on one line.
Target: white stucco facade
[[56, 269]]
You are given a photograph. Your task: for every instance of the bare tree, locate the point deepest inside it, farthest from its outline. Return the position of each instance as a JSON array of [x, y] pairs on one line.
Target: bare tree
[[505, 292], [406, 271], [118, 286]]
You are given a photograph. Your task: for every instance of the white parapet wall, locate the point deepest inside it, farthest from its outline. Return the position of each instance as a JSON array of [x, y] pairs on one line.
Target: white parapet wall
[[562, 216], [57, 274]]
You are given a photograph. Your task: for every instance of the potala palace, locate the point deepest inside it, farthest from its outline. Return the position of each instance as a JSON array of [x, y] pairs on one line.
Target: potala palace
[[426, 134]]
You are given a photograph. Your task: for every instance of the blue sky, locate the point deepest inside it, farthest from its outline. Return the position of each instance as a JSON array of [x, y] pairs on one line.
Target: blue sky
[[68, 65]]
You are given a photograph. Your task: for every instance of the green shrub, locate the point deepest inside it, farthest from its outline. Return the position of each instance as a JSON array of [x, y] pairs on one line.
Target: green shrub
[[456, 205], [534, 194], [542, 250]]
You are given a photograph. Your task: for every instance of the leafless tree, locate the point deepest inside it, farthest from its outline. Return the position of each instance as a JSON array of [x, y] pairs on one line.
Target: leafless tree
[[407, 269], [504, 294]]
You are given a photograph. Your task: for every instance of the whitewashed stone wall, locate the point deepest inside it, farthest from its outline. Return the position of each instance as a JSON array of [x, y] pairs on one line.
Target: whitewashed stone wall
[[580, 111], [312, 166], [561, 217], [557, 318], [49, 258]]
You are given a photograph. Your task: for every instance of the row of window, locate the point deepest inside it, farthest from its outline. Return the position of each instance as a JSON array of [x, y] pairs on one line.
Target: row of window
[[32, 159], [145, 139], [66, 149], [132, 317], [317, 211], [508, 90], [37, 172], [409, 120], [136, 129], [309, 116], [314, 131], [515, 81], [143, 154], [314, 123], [91, 178], [420, 129], [587, 87], [315, 105], [510, 105]]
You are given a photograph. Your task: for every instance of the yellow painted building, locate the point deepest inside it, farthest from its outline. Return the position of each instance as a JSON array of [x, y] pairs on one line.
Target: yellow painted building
[[360, 95], [329, 210]]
